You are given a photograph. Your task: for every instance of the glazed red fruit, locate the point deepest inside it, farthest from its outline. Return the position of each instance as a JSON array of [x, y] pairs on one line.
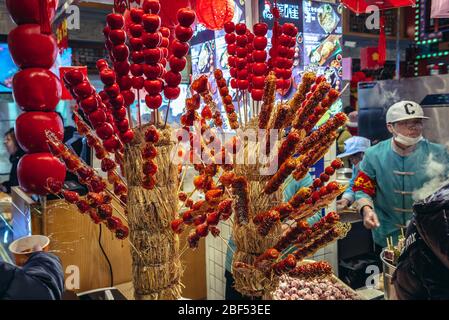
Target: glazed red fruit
[[152, 39], [90, 104], [153, 102], [113, 223], [187, 217], [202, 230], [149, 168], [240, 28], [121, 232], [152, 56], [259, 55], [54, 186], [32, 180], [186, 17], [121, 67], [324, 177], [172, 93], [317, 183], [329, 171], [22, 44], [213, 218], [83, 206], [115, 21], [151, 6], [260, 29], [153, 72], [136, 44], [111, 144], [136, 69], [70, 196], [127, 136], [229, 27], [97, 117], [74, 77], [332, 186], [30, 130], [173, 79], [136, 30], [206, 113], [28, 11], [323, 191], [120, 52], [153, 87], [36, 89], [105, 131], [117, 102], [107, 165], [152, 135], [148, 182], [337, 164], [177, 64], [177, 226], [260, 43], [123, 125], [183, 34], [112, 90], [242, 40], [137, 57], [83, 90], [136, 15], [120, 114], [259, 69], [104, 211], [138, 82], [179, 49], [289, 29], [151, 22], [107, 76], [117, 36], [315, 196]]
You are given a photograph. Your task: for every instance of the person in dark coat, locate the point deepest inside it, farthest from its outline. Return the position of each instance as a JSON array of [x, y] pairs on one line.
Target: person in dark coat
[[41, 278], [15, 153], [423, 268]]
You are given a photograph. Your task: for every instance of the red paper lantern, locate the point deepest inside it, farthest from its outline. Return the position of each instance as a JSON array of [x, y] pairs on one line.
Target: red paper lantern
[[213, 14], [359, 6], [169, 11]]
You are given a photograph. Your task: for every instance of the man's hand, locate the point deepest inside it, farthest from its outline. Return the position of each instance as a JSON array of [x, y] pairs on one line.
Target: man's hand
[[370, 220], [342, 204]]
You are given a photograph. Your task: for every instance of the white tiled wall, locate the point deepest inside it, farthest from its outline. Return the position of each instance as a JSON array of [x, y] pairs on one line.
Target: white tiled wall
[[216, 252], [215, 262]]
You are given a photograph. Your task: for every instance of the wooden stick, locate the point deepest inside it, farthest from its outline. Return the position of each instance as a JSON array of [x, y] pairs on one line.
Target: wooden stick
[[139, 118], [130, 118], [182, 179], [227, 244], [166, 114]]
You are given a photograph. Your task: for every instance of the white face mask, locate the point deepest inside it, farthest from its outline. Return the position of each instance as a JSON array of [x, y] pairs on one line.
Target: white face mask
[[406, 141]]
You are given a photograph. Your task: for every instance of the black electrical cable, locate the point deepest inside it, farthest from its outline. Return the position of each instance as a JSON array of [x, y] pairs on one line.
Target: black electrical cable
[[106, 256]]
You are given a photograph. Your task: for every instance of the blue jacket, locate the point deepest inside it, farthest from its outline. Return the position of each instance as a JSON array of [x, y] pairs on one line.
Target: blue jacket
[[395, 178], [41, 278]]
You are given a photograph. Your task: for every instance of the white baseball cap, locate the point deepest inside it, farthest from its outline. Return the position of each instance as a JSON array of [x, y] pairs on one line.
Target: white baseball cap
[[405, 110]]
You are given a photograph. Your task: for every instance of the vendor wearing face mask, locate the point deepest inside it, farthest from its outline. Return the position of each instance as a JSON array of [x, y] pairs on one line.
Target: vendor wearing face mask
[[392, 170]]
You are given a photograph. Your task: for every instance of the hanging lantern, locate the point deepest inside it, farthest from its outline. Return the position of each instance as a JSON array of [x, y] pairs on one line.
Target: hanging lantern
[[359, 6], [169, 10], [213, 14]]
